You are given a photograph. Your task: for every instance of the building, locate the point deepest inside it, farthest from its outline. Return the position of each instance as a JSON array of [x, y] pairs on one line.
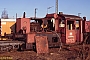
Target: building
[[7, 25]]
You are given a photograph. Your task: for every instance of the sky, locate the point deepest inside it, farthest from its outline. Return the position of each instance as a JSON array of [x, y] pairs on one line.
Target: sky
[[66, 6]]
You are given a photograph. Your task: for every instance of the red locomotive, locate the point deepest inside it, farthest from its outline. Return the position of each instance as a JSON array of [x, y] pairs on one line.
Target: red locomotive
[[50, 31]]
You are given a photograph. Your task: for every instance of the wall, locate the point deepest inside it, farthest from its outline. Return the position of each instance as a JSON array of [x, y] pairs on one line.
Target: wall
[[7, 25]]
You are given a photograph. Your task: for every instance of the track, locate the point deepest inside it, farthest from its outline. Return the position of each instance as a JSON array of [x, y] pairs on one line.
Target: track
[[10, 45]]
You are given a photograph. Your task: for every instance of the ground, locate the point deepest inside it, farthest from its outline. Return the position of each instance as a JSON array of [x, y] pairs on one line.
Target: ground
[[54, 54]]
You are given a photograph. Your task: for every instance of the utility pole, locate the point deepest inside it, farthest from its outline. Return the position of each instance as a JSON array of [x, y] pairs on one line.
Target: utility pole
[[56, 10], [35, 12], [16, 15], [56, 7]]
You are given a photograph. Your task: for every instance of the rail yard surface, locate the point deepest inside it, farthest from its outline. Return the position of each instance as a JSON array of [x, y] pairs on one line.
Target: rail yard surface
[[77, 52]]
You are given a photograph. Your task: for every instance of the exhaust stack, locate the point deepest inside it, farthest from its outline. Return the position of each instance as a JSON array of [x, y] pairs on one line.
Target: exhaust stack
[[24, 15]]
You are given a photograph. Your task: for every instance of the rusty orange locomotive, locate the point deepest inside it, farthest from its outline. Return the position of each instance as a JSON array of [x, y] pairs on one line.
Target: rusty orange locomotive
[[50, 31]]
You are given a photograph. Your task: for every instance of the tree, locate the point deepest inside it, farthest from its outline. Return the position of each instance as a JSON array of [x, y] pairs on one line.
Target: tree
[[4, 14]]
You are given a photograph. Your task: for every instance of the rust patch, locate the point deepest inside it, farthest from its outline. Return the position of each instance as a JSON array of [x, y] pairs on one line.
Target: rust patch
[[41, 44]]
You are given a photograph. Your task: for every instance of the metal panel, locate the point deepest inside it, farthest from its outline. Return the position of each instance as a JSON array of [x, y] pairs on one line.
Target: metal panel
[[41, 44], [70, 36], [29, 46], [87, 26], [30, 38], [78, 35], [23, 23], [3, 43]]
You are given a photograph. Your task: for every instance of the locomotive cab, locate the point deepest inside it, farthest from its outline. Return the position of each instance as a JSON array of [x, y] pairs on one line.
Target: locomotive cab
[[73, 29], [70, 28]]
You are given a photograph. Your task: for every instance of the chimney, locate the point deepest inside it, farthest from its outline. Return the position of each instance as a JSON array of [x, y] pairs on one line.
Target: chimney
[[24, 15], [84, 18], [60, 13]]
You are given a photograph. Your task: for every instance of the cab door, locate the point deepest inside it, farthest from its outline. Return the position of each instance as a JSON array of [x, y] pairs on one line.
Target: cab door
[[70, 32]]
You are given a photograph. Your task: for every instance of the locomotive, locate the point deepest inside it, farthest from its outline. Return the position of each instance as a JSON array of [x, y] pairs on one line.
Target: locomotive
[[51, 31]]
